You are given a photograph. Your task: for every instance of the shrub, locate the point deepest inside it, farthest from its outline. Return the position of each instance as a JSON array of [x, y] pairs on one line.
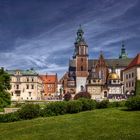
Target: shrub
[[54, 108], [88, 104], [82, 95], [10, 117], [133, 103], [137, 88], [67, 96], [102, 104], [29, 111], [117, 104], [74, 106]]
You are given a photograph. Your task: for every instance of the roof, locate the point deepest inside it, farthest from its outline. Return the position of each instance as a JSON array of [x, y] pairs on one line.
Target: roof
[[134, 62], [48, 78], [30, 72], [110, 63]]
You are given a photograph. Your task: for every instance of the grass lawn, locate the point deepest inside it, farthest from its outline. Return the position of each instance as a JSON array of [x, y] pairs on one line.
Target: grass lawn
[[101, 124]]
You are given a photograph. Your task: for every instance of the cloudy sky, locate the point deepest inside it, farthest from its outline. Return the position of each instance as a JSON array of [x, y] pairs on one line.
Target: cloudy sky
[[41, 33]]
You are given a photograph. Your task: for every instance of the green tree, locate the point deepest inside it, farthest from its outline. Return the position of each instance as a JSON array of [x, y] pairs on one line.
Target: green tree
[[5, 98], [137, 88]]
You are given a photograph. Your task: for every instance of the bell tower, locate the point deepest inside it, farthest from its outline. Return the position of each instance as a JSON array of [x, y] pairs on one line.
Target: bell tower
[[81, 59], [123, 54]]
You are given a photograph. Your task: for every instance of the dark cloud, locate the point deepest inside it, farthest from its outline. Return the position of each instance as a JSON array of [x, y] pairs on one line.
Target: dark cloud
[[41, 33]]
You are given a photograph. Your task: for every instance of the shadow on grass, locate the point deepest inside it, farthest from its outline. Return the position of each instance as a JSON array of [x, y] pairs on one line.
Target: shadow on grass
[[127, 109]]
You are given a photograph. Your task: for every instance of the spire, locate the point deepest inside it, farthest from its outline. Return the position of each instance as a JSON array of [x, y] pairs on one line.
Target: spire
[[123, 53], [80, 33]]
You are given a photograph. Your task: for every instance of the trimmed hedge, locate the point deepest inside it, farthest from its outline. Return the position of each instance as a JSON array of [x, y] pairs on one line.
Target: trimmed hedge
[[133, 103], [88, 104], [54, 109], [29, 111], [10, 117], [117, 104], [102, 104], [74, 107]]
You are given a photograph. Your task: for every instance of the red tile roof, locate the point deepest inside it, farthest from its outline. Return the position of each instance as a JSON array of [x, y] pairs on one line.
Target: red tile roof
[[48, 78], [134, 62]]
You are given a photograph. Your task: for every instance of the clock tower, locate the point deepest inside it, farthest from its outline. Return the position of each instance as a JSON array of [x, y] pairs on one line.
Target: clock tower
[[81, 60]]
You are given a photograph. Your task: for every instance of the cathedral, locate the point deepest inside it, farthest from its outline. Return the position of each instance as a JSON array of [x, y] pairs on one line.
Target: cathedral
[[101, 77]]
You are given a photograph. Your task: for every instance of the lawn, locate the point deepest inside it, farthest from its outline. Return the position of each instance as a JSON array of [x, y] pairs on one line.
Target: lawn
[[101, 124]]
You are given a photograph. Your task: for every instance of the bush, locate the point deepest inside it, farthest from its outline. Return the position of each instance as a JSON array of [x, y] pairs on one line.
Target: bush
[[74, 106], [102, 104], [88, 104], [82, 95], [67, 96], [133, 103], [54, 109], [117, 104], [29, 111], [10, 117]]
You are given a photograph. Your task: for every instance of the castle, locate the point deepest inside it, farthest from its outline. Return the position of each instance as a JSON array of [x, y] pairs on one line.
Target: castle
[[100, 77]]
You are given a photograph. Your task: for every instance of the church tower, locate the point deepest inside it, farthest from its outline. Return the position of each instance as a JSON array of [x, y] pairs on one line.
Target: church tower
[[123, 54], [81, 60]]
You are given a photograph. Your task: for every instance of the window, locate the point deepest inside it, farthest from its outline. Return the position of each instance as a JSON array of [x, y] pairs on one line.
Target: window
[[18, 79], [126, 84], [132, 74], [32, 79], [17, 86], [126, 76], [32, 86], [27, 86], [29, 94], [12, 93], [114, 81], [132, 83], [129, 84], [89, 81], [82, 50], [81, 68], [27, 79], [17, 93], [129, 75]]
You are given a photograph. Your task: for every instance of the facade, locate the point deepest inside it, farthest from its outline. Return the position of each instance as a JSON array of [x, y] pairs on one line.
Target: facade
[[50, 85], [80, 67], [131, 74], [94, 85], [25, 85], [114, 85]]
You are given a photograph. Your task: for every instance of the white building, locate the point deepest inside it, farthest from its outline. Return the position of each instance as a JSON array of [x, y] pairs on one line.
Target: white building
[[25, 85], [131, 74]]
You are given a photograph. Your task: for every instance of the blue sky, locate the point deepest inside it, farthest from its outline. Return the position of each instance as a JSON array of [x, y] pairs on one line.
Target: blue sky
[[41, 33]]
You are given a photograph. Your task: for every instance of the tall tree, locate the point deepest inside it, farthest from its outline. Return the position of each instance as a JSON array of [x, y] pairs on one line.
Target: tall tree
[[5, 98]]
